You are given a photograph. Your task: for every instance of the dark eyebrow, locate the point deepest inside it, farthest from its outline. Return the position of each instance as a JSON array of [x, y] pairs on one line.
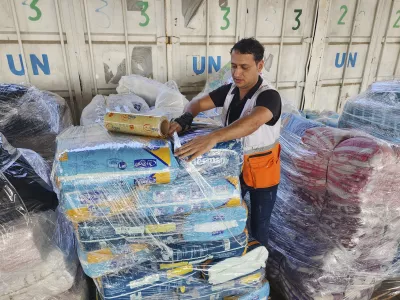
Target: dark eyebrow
[[244, 65]]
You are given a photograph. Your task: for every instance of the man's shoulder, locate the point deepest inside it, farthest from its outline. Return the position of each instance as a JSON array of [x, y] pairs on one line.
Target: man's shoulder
[[270, 93], [218, 95]]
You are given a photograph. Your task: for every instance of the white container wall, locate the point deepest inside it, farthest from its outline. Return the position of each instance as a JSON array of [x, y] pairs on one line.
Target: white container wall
[[318, 52]]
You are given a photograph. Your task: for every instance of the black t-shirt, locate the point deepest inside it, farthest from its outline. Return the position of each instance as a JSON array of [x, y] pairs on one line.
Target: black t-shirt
[[269, 99]]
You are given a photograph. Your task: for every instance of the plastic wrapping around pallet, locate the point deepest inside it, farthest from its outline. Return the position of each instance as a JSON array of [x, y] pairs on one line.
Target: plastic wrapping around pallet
[[388, 290], [100, 105], [158, 238], [150, 200], [375, 111], [262, 293], [24, 182], [153, 92], [31, 118], [242, 285], [113, 259], [146, 281], [328, 118], [225, 158], [79, 291], [35, 260], [334, 228], [232, 268], [114, 256], [209, 225]]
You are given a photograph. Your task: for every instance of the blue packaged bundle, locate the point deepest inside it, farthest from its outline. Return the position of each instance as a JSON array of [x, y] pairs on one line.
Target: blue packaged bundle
[[208, 225], [146, 281], [298, 124], [89, 150], [106, 257], [225, 159], [244, 285], [221, 249], [149, 200], [113, 258], [262, 293]]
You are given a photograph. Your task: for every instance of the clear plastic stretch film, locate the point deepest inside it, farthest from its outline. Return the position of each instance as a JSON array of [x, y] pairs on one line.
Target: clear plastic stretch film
[[37, 248], [31, 118], [375, 111], [37, 255], [335, 226], [152, 226]]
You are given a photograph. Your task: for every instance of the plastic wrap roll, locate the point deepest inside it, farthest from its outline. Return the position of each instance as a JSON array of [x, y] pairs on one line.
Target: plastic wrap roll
[[155, 126]]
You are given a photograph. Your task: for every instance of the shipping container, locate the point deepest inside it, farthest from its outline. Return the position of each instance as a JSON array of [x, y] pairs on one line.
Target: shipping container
[[318, 52]]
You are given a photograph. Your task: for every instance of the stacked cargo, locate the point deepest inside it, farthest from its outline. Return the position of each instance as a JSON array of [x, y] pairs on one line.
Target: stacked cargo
[[149, 225], [334, 230], [375, 111], [37, 249]]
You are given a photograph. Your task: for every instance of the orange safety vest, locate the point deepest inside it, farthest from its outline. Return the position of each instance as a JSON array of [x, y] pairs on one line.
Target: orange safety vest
[[261, 166]]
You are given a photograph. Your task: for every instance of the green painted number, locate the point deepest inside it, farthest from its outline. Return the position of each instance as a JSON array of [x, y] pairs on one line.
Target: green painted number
[[227, 10], [144, 5], [397, 25], [297, 19], [36, 9], [340, 22]]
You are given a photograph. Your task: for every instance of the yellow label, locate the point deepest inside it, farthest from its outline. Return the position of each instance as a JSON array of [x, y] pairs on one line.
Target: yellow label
[[173, 265], [251, 278], [182, 289], [98, 281], [138, 247], [234, 181], [83, 214], [63, 156], [233, 202], [58, 182], [179, 271], [99, 256], [164, 154], [163, 177], [78, 214], [160, 228]]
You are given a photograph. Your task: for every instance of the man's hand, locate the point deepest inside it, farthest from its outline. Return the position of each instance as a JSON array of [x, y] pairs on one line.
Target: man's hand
[[174, 127], [196, 147]]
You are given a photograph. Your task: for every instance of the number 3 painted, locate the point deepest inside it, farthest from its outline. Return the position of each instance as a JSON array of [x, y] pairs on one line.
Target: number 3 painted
[[144, 5], [35, 8], [227, 10], [297, 19], [340, 22], [396, 25]]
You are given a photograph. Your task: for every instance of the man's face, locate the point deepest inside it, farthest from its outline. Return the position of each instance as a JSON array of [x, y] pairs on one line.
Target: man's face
[[245, 70]]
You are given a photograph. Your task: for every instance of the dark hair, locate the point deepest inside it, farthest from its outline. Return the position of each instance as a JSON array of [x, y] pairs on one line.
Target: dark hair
[[250, 46]]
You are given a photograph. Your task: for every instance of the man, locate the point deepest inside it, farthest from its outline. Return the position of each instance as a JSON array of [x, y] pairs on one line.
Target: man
[[251, 111]]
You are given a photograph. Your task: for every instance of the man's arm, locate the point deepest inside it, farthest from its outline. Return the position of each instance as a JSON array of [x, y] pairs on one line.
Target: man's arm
[[240, 128], [194, 107], [199, 105]]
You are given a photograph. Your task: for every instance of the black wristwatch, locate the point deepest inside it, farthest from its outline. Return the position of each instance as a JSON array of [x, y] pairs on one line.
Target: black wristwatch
[[185, 121]]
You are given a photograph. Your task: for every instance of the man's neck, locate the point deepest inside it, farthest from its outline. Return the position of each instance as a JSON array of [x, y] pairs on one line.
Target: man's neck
[[243, 92]]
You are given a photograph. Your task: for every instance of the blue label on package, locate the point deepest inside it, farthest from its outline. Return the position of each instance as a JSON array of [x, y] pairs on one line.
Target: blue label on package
[[145, 163]]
